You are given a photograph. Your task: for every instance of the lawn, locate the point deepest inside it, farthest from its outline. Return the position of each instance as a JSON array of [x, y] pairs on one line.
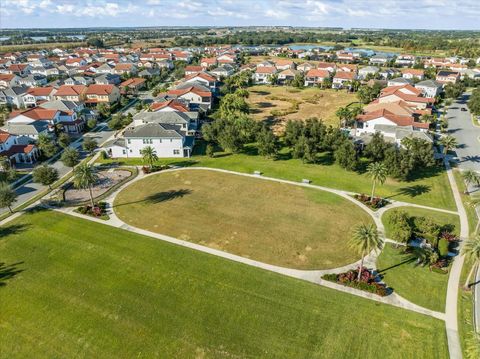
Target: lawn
[[467, 200], [275, 223], [101, 292], [415, 283], [440, 218], [431, 188], [278, 104]]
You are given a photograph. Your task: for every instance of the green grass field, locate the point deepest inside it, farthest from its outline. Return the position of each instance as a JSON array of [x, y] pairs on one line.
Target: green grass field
[[431, 188], [275, 223], [440, 218], [88, 290], [415, 283]]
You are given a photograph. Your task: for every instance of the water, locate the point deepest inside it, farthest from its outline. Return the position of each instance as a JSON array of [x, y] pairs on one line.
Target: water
[[44, 38], [308, 47]]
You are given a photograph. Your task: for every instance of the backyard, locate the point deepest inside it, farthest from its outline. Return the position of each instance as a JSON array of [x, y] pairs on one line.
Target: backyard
[[278, 104], [275, 223], [87, 292]]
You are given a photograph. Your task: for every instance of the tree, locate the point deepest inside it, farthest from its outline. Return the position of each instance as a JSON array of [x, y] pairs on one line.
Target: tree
[[471, 178], [267, 142], [95, 42], [474, 102], [346, 156], [273, 79], [401, 228], [85, 177], [232, 104], [149, 156], [343, 114], [471, 251], [104, 110], [367, 94], [454, 90], [89, 144], [8, 196], [448, 142], [46, 145], [365, 239], [377, 171], [45, 175], [210, 150], [91, 123], [375, 150], [63, 140], [70, 157]]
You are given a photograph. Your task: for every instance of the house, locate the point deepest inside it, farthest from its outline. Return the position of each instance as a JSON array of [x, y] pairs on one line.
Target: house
[[203, 78], [19, 69], [412, 74], [169, 105], [342, 79], [285, 65], [132, 86], [149, 72], [29, 124], [399, 81], [78, 80], [366, 71], [8, 80], [305, 67], [186, 121], [227, 59], [196, 95], [287, 75], [108, 79], [315, 77], [192, 69], [35, 95], [13, 96], [75, 93], [166, 140], [208, 62], [263, 74], [380, 60], [429, 88], [15, 151], [343, 56], [105, 69], [405, 60], [445, 77], [108, 94], [45, 70], [75, 62], [387, 73], [125, 69], [407, 93], [31, 80], [223, 71], [367, 122], [347, 68], [72, 115]]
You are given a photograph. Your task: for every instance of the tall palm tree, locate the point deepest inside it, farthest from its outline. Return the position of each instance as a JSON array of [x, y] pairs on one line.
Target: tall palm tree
[[377, 171], [471, 178], [149, 155], [85, 176], [448, 142], [365, 239], [343, 113], [471, 250]]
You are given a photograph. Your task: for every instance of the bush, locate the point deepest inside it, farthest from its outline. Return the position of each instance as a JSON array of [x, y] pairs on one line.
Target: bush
[[103, 155], [376, 203], [367, 281], [443, 247]]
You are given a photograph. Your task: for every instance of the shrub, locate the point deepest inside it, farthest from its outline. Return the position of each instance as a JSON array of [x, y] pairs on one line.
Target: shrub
[[443, 247], [146, 169], [332, 277], [439, 270], [449, 236]]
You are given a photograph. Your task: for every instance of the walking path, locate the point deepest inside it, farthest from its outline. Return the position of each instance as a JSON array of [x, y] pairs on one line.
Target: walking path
[[451, 319], [313, 276]]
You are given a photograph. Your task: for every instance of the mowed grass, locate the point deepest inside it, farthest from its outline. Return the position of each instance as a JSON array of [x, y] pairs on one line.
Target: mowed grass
[[430, 188], [275, 223], [312, 102], [92, 291], [441, 218], [415, 283]]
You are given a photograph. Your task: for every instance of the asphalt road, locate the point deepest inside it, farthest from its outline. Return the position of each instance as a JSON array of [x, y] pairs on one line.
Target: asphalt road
[[467, 135]]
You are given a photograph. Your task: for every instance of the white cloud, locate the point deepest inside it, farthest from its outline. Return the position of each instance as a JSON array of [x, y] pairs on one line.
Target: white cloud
[[277, 14]]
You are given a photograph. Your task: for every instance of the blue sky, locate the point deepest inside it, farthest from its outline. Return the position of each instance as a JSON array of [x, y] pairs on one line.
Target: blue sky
[[425, 14]]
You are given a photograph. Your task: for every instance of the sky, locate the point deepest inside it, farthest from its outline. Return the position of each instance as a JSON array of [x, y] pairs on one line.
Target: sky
[[406, 14]]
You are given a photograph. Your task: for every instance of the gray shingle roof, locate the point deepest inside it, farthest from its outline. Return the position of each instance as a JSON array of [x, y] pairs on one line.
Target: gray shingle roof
[[152, 130]]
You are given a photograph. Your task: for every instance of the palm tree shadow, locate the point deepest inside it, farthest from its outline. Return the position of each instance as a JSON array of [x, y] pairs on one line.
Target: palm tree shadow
[[408, 260], [412, 191], [8, 271], [160, 197], [11, 229]]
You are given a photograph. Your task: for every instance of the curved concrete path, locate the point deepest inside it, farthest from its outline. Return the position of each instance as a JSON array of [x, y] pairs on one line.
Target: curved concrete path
[[313, 276]]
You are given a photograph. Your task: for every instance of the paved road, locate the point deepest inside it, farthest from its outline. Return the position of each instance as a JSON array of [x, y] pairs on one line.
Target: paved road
[[460, 125], [29, 189]]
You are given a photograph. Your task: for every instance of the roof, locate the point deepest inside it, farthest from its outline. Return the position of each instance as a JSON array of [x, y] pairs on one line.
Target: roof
[[202, 75], [396, 91], [40, 91], [397, 119], [428, 83], [4, 136], [193, 68], [445, 73], [70, 90], [317, 73], [195, 90], [17, 149], [152, 130], [344, 75], [133, 82], [169, 117], [176, 105], [97, 89], [417, 72], [266, 70]]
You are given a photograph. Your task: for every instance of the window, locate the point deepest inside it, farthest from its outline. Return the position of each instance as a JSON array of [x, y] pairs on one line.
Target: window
[[125, 152], [147, 141], [128, 141], [176, 152]]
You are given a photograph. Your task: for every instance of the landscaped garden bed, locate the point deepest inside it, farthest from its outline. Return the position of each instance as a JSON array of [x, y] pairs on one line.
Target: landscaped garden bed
[[99, 210], [368, 281], [375, 203]]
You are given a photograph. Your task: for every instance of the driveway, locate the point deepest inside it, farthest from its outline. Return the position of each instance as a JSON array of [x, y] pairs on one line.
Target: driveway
[[461, 127]]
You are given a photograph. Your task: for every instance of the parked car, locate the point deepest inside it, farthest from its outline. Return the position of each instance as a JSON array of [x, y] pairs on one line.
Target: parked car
[[463, 109]]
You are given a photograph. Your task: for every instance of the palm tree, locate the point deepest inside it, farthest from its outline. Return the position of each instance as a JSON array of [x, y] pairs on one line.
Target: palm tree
[[471, 178], [448, 142], [149, 155], [471, 250], [343, 113], [378, 172], [85, 176], [365, 239]]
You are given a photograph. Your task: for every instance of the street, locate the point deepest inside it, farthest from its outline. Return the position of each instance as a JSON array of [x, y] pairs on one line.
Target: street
[[461, 127]]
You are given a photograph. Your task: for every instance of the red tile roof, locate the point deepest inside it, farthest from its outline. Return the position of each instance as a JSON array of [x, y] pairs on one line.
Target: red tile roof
[[176, 105], [100, 89], [73, 90]]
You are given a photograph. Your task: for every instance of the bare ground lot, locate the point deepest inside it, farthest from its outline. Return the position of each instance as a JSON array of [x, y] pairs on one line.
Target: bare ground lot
[[278, 104]]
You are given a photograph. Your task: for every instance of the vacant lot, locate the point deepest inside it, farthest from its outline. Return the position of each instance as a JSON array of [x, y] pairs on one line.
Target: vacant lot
[[278, 104], [275, 223], [101, 292]]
